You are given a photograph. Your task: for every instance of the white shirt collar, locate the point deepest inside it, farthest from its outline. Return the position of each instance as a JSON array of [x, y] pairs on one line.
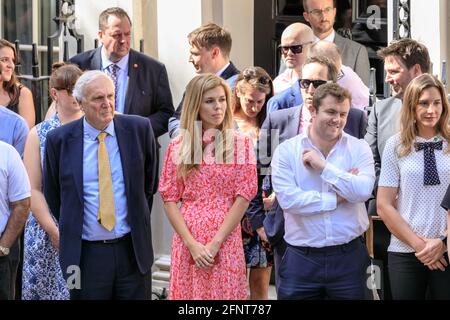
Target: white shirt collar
[[330, 37]]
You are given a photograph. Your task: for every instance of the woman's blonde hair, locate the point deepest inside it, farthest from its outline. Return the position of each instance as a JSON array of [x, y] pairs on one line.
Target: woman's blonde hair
[[259, 79], [408, 125], [191, 147]]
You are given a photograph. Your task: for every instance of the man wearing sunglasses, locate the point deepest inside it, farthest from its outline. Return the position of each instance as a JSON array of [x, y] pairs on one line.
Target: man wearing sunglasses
[[284, 124], [294, 47], [295, 42], [321, 15]]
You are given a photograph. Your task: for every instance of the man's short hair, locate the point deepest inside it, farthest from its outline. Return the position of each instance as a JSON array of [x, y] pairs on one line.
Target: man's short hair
[[114, 11], [410, 52], [330, 89], [211, 35], [332, 73], [305, 5]]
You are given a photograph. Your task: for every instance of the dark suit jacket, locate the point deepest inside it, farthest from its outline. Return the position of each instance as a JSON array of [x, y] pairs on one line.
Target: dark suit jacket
[[230, 74], [286, 124], [148, 93], [355, 56], [63, 184], [291, 97]]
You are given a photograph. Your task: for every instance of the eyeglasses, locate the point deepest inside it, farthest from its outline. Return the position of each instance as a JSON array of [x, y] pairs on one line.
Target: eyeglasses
[[295, 49], [319, 12], [251, 73], [305, 83]]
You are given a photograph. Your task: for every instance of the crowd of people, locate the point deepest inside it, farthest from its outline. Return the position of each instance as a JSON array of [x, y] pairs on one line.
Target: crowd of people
[[260, 173]]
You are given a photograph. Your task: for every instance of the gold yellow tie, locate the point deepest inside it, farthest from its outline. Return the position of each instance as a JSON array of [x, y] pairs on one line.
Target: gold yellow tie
[[106, 210]]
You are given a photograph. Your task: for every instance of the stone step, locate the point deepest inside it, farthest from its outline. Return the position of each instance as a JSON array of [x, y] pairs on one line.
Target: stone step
[[161, 275], [163, 263]]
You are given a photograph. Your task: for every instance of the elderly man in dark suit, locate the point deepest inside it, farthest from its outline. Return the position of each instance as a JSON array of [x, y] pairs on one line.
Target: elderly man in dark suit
[[284, 124], [321, 15], [100, 175], [141, 82]]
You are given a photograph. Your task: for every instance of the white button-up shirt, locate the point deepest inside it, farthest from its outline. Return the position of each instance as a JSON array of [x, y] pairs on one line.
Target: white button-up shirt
[[308, 199]]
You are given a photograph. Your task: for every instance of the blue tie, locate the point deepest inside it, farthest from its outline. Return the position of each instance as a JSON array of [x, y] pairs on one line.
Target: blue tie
[[430, 174], [113, 68]]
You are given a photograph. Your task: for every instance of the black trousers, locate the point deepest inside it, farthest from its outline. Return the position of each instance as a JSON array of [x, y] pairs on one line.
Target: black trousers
[[411, 280], [8, 272], [109, 271]]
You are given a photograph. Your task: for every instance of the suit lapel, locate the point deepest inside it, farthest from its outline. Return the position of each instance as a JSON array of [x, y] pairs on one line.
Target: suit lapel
[[294, 125], [133, 69], [96, 62], [126, 151], [75, 146], [230, 71]]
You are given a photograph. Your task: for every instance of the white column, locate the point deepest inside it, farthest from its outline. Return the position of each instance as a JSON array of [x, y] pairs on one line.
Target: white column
[[429, 26]]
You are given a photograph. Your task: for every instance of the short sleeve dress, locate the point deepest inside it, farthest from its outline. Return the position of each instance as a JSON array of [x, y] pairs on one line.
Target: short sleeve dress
[[206, 197]]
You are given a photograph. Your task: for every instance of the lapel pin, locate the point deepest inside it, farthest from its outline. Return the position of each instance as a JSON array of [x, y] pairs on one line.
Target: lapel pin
[[135, 65]]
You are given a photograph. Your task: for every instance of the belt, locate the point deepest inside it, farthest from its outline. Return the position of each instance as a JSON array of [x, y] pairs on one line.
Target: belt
[[110, 241], [332, 249]]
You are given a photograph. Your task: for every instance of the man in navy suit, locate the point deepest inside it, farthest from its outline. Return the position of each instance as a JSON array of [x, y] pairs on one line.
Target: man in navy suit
[[284, 124], [142, 85], [109, 260]]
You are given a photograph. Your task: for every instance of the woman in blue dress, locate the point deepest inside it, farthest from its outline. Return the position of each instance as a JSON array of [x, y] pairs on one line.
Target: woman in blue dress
[[42, 278]]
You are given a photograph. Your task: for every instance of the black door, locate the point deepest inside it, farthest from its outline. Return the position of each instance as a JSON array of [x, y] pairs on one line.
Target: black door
[[365, 21]]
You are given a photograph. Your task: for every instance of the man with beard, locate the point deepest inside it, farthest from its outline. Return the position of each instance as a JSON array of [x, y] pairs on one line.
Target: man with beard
[[321, 15], [321, 178], [404, 60]]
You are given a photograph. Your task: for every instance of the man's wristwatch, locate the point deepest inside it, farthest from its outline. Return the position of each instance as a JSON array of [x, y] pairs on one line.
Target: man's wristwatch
[[4, 250]]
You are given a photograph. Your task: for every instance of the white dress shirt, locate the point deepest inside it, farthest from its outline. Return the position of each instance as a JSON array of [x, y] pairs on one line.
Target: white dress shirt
[[308, 199]]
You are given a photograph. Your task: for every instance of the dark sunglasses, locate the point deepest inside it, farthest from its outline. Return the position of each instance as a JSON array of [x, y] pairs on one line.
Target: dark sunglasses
[[295, 49], [305, 83]]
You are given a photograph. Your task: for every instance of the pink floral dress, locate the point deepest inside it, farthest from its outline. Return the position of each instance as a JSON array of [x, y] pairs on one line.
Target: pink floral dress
[[206, 196]]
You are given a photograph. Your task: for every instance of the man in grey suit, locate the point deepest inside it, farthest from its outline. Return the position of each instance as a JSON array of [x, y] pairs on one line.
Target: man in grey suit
[[141, 82], [321, 15], [403, 61], [283, 124]]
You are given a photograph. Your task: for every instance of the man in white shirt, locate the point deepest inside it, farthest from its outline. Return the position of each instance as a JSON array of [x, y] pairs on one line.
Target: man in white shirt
[[14, 207], [322, 178]]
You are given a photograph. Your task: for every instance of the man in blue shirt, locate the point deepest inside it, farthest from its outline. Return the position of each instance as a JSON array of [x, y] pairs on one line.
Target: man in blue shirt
[[14, 129], [100, 175]]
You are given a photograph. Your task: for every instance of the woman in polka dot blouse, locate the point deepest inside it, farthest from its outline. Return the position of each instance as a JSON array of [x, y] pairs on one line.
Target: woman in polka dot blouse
[[415, 173]]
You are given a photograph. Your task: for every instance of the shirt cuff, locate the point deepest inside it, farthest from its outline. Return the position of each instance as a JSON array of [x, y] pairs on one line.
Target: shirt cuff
[[331, 174], [329, 201]]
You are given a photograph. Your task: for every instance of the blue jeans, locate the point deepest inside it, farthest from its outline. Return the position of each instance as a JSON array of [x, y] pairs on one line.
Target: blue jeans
[[335, 272]]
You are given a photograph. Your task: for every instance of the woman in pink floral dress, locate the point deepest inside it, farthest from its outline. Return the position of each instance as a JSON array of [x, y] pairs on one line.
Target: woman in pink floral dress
[[211, 170]]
